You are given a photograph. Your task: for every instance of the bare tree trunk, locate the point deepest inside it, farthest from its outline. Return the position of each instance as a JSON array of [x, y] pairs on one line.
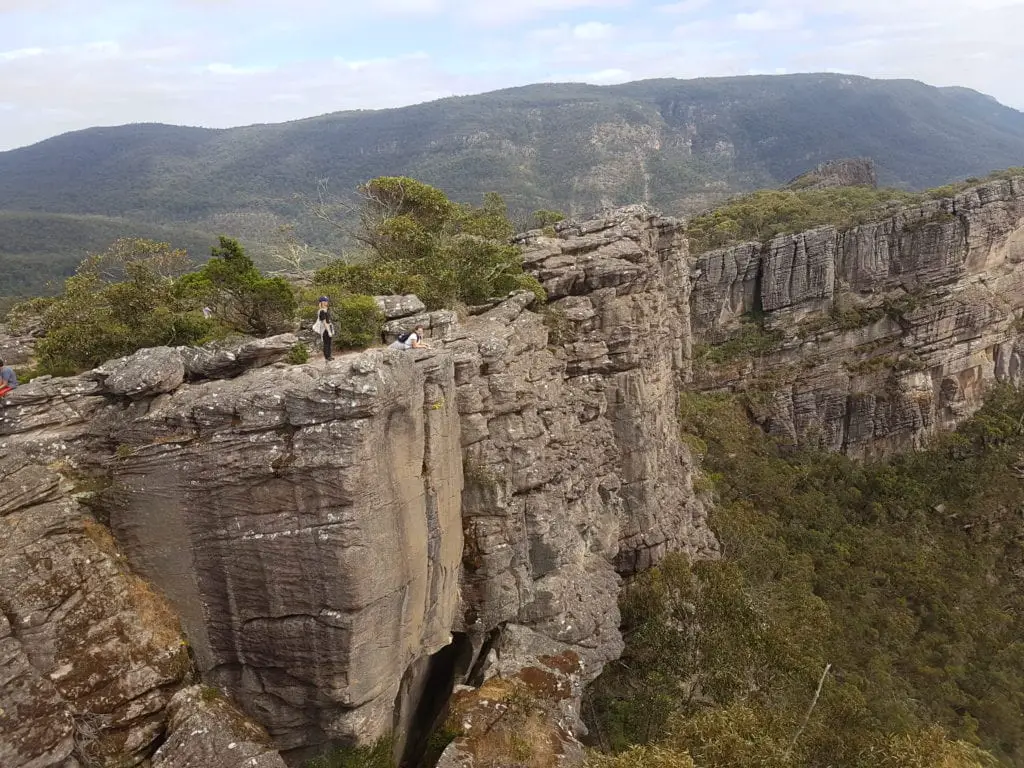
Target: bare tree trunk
[[810, 711]]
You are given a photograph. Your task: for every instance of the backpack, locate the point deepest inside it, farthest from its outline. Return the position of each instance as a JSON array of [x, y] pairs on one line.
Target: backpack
[[404, 337]]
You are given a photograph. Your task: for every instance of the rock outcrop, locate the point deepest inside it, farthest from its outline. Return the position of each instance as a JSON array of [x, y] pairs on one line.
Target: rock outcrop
[[868, 341], [89, 654], [851, 172], [205, 729], [328, 532]]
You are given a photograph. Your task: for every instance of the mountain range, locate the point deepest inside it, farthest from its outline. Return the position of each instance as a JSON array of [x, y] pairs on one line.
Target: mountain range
[[678, 145]]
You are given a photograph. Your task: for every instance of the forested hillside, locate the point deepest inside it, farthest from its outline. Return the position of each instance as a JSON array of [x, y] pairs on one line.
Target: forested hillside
[[673, 143], [897, 584]]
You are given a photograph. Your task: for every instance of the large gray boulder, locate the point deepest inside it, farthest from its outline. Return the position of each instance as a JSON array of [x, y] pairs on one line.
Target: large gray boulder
[[206, 729]]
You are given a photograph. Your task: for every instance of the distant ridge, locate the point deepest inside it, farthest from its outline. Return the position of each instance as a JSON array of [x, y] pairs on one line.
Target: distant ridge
[[678, 145]]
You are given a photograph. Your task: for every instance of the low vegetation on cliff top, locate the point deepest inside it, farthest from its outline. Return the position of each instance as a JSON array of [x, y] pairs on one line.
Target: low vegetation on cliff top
[[763, 215], [139, 293], [894, 586]]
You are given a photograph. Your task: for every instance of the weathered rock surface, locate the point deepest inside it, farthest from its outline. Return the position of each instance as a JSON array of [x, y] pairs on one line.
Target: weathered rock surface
[[851, 172], [16, 348], [885, 333], [89, 655], [326, 530], [205, 729], [395, 307], [303, 521]]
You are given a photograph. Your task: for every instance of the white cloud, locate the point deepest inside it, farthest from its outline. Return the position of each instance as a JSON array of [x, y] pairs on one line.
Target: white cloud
[[766, 21], [592, 30], [607, 76], [500, 12], [21, 53], [685, 7], [220, 68], [230, 62]]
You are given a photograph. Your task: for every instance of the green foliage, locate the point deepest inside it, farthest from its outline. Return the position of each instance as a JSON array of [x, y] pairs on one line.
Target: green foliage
[[750, 340], [298, 354], [561, 330], [357, 318], [641, 757], [239, 295], [38, 251], [763, 215], [357, 322], [118, 301], [543, 219], [422, 243], [377, 756], [903, 575]]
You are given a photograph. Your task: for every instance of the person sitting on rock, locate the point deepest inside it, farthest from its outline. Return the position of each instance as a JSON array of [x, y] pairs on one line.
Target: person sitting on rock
[[324, 326], [413, 340], [8, 378]]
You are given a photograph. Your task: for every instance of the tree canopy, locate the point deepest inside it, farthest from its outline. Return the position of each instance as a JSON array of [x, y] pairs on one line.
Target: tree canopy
[[421, 242], [137, 293], [904, 576]]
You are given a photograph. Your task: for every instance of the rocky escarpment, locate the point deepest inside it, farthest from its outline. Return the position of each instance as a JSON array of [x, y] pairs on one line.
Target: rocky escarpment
[[343, 540], [348, 543], [851, 172], [869, 340], [90, 654]]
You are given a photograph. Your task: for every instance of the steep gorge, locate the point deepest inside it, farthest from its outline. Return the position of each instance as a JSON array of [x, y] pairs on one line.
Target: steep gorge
[[340, 540]]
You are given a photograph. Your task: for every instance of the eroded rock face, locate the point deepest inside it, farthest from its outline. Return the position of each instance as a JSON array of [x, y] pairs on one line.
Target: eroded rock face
[[303, 520], [323, 530], [851, 172], [885, 333], [89, 655]]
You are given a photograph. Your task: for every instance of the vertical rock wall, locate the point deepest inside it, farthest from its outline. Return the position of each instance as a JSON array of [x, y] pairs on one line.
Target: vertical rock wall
[[883, 334]]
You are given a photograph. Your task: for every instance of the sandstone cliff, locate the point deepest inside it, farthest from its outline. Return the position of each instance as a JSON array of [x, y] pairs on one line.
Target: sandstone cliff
[[348, 543], [867, 341], [341, 539]]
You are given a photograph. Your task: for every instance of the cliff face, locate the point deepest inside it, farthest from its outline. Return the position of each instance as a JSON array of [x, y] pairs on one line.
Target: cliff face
[[340, 539], [874, 338], [346, 543]]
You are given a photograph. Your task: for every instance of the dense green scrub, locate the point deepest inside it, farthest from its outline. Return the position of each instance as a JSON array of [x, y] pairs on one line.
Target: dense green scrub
[[904, 576], [764, 214]]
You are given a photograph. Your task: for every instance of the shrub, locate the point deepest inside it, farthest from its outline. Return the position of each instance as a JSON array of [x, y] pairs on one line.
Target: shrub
[[117, 302], [897, 573], [377, 756], [749, 340], [298, 354], [357, 322], [241, 297]]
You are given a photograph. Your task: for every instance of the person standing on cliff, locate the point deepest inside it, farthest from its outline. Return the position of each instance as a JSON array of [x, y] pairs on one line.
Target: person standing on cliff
[[325, 326], [8, 378]]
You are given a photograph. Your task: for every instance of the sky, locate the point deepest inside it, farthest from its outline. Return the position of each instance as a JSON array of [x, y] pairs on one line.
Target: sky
[[72, 64]]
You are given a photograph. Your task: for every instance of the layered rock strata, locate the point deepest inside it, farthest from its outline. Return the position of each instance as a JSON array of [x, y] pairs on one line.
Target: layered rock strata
[[870, 340], [325, 531]]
